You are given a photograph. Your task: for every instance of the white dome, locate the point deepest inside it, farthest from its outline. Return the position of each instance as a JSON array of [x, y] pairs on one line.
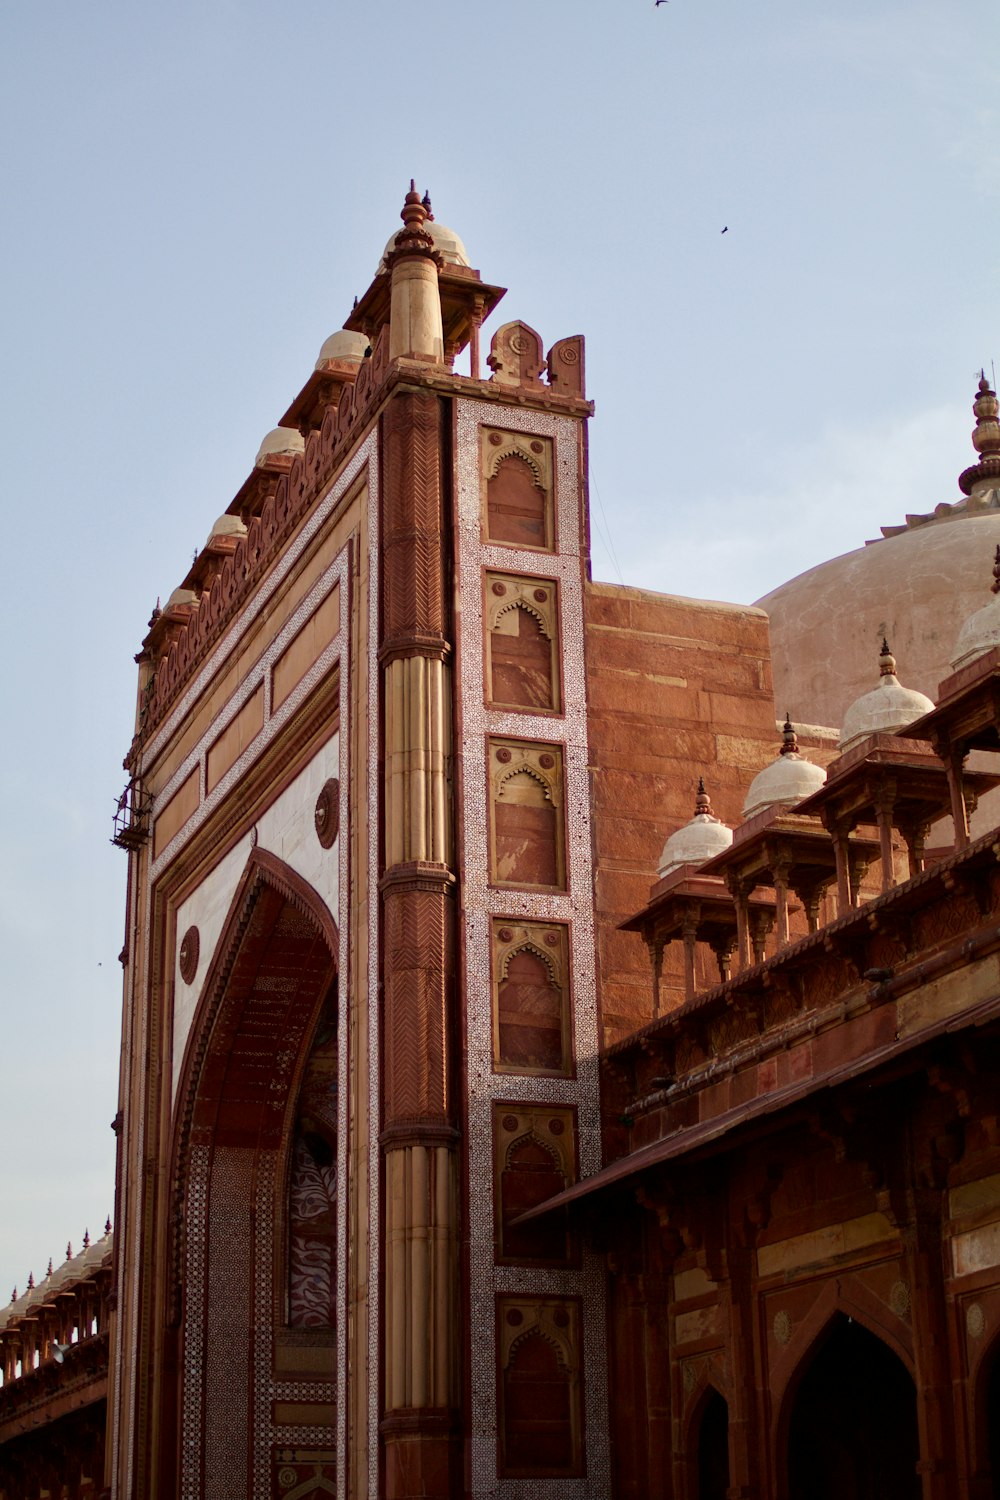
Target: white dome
[[279, 442], [227, 525], [182, 596], [979, 634], [887, 708], [343, 345], [446, 241], [698, 841], [789, 779]]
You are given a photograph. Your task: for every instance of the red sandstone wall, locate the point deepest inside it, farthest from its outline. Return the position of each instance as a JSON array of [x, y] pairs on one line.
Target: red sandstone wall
[[676, 688]]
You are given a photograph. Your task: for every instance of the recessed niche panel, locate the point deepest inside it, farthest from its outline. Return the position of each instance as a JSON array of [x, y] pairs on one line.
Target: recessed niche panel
[[522, 642], [527, 843], [517, 489], [534, 1158], [540, 1400], [531, 998]]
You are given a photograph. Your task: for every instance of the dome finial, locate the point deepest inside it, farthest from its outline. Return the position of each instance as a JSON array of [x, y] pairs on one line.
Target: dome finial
[[789, 739], [985, 439], [886, 661], [702, 802]]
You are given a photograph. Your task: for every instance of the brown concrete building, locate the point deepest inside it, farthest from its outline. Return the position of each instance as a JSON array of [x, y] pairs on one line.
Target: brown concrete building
[[491, 1126]]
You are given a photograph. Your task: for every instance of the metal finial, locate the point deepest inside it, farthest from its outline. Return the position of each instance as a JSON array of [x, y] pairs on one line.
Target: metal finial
[[107, 1225], [702, 802], [31, 1281], [49, 1271], [69, 1250], [13, 1295], [86, 1239]]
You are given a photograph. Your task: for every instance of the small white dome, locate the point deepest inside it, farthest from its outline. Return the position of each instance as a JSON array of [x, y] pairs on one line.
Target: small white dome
[[446, 241], [787, 780], [343, 345], [182, 596], [887, 708], [979, 634], [981, 631], [227, 525], [280, 441], [698, 841]]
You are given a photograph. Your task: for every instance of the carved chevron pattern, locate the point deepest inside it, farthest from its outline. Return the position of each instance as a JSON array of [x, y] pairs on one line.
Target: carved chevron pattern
[[413, 542], [418, 988]]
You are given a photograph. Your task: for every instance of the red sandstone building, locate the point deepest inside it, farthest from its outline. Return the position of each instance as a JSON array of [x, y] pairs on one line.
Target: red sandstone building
[[470, 1145]]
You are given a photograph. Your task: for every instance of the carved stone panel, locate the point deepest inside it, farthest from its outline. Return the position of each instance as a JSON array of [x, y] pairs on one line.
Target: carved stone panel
[[522, 642], [534, 1157], [516, 472], [540, 1398], [527, 833], [532, 1013]]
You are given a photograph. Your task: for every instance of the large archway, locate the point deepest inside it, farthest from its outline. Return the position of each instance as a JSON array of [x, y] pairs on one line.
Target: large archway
[[852, 1432], [245, 1140]]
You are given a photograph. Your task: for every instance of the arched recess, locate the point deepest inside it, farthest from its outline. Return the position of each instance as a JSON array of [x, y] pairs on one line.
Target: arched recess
[[986, 1431], [707, 1445], [849, 1421], [270, 982]]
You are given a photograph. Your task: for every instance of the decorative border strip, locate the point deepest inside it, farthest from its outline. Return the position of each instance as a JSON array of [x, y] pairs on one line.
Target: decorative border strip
[[482, 903]]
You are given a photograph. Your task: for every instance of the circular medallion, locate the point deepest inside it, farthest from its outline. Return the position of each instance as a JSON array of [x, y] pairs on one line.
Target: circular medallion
[[899, 1298], [556, 1127], [188, 956], [505, 934], [499, 589], [975, 1320], [515, 1318], [547, 761], [552, 939], [286, 1478], [536, 446], [327, 814], [782, 1327], [510, 1122], [540, 596], [569, 355], [560, 1318], [503, 755], [496, 439]]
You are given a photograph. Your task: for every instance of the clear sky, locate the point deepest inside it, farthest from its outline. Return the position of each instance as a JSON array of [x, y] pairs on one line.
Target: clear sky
[[194, 194]]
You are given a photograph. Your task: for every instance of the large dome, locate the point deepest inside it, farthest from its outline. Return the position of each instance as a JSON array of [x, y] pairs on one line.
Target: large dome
[[917, 587]]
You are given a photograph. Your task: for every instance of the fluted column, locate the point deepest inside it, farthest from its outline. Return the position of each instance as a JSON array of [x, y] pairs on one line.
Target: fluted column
[[420, 1425]]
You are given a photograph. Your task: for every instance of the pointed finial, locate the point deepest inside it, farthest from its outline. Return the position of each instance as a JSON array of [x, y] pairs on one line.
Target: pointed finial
[[354, 304], [426, 201], [789, 739], [702, 803], [31, 1281], [107, 1225], [13, 1295], [413, 211], [886, 661], [86, 1239], [49, 1271], [69, 1250], [985, 439]]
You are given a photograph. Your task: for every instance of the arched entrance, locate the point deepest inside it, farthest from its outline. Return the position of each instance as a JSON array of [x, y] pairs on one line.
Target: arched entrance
[[712, 1428], [256, 1233], [852, 1433]]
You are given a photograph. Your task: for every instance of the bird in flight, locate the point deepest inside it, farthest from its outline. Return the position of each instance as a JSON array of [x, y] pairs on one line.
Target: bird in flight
[[724, 231]]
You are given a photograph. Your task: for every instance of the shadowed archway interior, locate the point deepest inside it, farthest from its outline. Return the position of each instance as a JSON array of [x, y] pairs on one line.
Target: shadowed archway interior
[[267, 1028], [853, 1429]]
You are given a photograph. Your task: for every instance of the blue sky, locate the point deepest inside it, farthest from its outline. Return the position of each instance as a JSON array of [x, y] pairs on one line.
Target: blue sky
[[196, 192]]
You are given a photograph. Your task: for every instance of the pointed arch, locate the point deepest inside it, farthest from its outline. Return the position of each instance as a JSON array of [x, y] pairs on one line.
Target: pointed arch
[[272, 974], [706, 1444], [985, 1419], [848, 1424]]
